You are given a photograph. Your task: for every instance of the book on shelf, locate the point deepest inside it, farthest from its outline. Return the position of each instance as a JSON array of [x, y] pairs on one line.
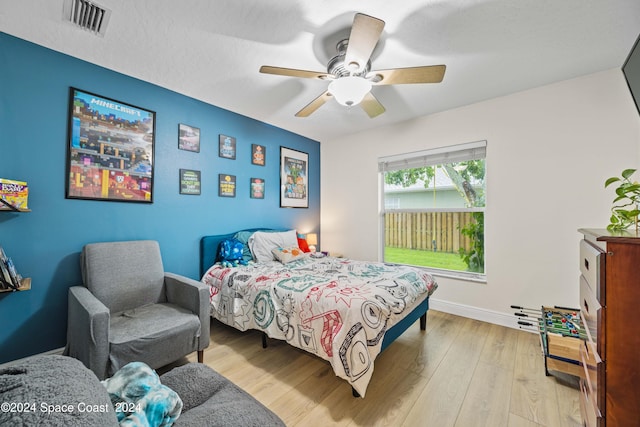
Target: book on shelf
[[4, 284], [7, 282], [15, 277], [8, 275]]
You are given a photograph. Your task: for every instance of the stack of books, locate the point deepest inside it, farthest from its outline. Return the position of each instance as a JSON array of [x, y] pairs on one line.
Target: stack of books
[[9, 277]]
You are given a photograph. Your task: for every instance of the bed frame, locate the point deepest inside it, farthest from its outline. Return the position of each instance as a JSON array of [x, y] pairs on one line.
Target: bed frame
[[208, 251]]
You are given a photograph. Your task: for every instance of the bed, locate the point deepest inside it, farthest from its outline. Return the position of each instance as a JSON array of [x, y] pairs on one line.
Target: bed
[[342, 310]]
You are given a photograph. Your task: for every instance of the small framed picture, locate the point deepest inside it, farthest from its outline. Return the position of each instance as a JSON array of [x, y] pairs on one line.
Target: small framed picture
[[257, 188], [258, 154], [227, 147], [188, 138], [189, 181], [226, 185]]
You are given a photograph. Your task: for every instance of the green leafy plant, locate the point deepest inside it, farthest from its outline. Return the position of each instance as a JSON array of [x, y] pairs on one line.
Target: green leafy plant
[[624, 208], [474, 257]]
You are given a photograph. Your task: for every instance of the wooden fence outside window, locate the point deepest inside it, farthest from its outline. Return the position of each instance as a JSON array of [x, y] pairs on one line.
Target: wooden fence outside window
[[439, 231]]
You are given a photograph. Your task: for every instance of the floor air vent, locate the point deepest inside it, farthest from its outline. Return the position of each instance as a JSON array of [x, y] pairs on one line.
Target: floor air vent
[[87, 15]]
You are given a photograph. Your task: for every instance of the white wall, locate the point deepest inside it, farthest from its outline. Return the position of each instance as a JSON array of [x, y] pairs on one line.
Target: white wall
[[549, 151]]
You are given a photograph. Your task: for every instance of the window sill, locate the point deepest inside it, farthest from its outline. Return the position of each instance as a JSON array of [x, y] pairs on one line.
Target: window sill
[[460, 275]]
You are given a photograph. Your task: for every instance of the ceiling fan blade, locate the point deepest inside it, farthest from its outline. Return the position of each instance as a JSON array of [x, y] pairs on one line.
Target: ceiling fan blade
[[365, 33], [398, 76], [371, 105], [293, 72], [314, 105]]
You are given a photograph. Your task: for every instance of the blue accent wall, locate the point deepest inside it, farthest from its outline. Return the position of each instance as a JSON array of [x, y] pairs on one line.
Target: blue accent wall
[[45, 244]]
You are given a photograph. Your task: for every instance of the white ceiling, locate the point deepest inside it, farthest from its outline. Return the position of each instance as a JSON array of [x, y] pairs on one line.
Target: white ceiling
[[212, 50]]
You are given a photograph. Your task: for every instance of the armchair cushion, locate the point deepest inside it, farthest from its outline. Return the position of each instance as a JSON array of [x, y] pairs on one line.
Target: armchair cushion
[[156, 334]]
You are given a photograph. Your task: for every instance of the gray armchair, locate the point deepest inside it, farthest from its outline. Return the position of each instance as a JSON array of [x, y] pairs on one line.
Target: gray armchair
[[129, 309]]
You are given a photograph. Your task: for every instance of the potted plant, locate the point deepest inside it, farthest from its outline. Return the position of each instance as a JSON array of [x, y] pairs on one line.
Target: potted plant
[[624, 209]]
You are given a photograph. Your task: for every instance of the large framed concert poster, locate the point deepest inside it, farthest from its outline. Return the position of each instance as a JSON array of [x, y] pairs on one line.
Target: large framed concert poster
[[294, 178], [110, 150]]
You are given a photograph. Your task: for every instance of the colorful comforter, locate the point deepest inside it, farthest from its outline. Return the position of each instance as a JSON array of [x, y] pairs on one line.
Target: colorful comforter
[[335, 308]]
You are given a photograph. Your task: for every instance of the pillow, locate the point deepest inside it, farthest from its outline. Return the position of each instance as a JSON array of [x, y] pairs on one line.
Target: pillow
[[243, 237], [230, 250], [302, 243], [261, 243], [285, 255]]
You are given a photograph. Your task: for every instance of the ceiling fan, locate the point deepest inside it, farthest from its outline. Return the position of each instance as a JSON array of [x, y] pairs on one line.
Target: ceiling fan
[[350, 75]]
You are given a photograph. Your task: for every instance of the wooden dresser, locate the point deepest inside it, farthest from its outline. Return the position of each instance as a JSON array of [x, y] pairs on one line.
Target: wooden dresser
[[610, 306]]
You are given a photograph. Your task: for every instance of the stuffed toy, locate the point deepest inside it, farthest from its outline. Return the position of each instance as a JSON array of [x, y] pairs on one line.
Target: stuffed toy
[[230, 253]]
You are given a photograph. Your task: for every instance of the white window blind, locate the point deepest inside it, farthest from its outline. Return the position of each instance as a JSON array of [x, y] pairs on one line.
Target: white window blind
[[435, 156]]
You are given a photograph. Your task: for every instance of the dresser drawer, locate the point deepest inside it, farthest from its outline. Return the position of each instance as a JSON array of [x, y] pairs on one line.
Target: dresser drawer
[[590, 260], [590, 414], [590, 310], [591, 369]]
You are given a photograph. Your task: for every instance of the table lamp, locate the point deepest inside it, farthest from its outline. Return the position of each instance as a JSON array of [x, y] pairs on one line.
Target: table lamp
[[312, 241]]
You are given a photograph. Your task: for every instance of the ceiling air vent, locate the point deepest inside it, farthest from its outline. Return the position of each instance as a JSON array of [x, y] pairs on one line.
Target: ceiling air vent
[[88, 15]]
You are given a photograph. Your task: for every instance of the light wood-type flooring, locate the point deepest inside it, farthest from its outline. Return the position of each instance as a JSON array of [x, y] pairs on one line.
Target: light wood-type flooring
[[459, 372]]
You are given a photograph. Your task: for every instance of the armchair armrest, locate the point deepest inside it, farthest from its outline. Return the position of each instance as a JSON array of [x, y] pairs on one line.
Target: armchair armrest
[[88, 330], [192, 295]]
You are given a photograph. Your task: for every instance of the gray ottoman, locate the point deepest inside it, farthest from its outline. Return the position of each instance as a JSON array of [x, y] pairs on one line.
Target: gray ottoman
[[211, 400]]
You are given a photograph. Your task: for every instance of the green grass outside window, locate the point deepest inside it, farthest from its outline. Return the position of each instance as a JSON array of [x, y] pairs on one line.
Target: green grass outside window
[[443, 260]]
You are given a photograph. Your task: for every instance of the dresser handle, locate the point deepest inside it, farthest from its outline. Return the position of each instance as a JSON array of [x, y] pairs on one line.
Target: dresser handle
[[586, 264]]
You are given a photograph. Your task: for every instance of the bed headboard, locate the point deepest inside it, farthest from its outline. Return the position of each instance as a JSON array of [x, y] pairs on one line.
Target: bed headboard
[[209, 247]]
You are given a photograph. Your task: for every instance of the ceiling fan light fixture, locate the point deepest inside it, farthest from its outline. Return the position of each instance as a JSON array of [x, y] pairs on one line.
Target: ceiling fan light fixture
[[350, 90], [349, 71]]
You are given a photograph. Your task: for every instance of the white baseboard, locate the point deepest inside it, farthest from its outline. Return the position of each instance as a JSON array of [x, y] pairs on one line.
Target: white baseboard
[[489, 316], [57, 351]]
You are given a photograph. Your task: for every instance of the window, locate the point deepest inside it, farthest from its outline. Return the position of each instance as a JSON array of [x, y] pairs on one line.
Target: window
[[432, 209]]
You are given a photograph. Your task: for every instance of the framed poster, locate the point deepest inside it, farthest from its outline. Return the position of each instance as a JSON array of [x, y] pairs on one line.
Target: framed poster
[[258, 154], [189, 181], [110, 150], [227, 147], [257, 188], [226, 185], [294, 178], [188, 138]]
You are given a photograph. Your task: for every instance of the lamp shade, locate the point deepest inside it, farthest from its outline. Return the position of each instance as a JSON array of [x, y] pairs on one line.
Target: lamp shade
[[349, 90], [312, 239]]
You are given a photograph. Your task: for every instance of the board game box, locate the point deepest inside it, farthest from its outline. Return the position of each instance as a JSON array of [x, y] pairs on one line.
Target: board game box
[[16, 193]]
